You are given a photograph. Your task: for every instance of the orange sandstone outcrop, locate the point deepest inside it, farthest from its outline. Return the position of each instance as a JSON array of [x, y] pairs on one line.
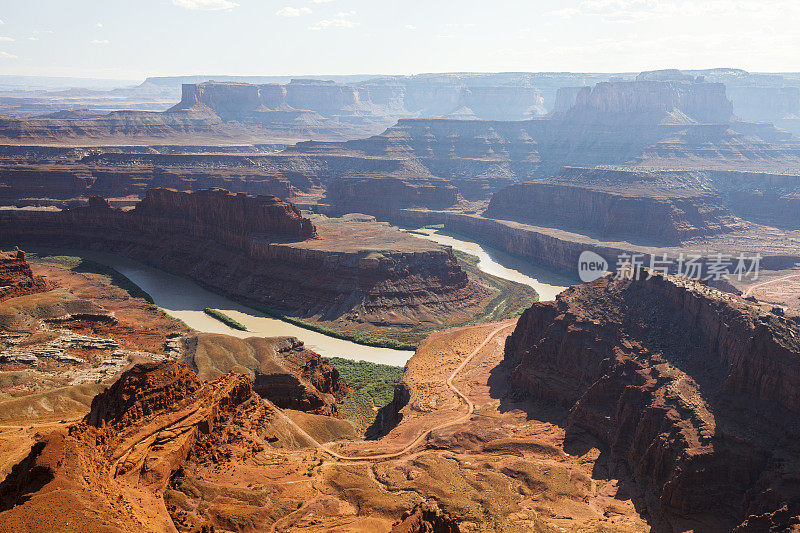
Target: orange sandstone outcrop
[[16, 277], [692, 393], [110, 471]]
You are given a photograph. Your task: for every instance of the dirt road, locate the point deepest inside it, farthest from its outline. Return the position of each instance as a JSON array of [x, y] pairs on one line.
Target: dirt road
[[406, 449]]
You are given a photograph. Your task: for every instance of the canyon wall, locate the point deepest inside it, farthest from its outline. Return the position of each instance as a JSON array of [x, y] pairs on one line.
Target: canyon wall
[[73, 183], [560, 250], [692, 393], [357, 194], [240, 101], [218, 214], [241, 246], [615, 204], [763, 197]]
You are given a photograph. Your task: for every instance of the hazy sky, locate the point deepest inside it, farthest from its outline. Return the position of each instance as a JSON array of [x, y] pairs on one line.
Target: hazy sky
[[132, 39]]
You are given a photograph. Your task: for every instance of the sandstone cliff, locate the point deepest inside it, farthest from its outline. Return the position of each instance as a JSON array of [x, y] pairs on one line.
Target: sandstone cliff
[[67, 183], [653, 101], [216, 213], [361, 275], [691, 392], [366, 194], [242, 101], [617, 204], [16, 277]]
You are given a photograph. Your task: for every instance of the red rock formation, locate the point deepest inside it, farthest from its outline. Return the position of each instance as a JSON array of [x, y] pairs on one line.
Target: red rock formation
[[616, 204], [16, 277], [692, 392], [110, 471], [218, 213], [281, 369], [338, 277], [426, 518]]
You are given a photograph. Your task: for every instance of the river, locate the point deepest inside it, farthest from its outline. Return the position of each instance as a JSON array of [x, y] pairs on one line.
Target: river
[[185, 299], [503, 265]]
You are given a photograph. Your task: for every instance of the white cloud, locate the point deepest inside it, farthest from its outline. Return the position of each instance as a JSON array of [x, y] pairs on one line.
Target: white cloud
[[626, 11], [6, 55], [1, 21], [205, 5], [7, 39], [99, 41], [99, 24], [340, 20], [566, 13], [33, 38], [293, 11], [410, 27], [320, 1]]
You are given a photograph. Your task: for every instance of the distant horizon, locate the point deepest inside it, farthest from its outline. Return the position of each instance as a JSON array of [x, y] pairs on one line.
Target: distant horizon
[[324, 76], [151, 38]]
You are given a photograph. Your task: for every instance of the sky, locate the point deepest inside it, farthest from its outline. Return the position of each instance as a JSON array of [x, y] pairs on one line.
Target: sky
[[133, 39]]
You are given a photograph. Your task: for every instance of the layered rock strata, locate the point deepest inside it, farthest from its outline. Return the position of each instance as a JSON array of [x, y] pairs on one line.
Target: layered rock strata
[[613, 204], [68, 182], [281, 369], [357, 194], [111, 471], [16, 277], [259, 248], [693, 393]]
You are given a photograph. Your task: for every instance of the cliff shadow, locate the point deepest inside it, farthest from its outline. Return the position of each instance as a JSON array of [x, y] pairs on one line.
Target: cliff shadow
[[500, 389], [25, 479]]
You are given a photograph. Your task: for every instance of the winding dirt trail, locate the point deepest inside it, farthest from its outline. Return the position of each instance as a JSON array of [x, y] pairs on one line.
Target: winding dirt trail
[[765, 283], [405, 450]]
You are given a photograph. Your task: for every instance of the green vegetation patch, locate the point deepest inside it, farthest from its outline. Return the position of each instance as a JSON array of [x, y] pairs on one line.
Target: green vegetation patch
[[511, 300], [225, 319], [376, 340], [373, 389], [79, 264]]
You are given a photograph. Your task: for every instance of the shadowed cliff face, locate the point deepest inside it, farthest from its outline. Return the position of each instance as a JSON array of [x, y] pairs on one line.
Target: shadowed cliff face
[[693, 393], [239, 214], [641, 207]]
